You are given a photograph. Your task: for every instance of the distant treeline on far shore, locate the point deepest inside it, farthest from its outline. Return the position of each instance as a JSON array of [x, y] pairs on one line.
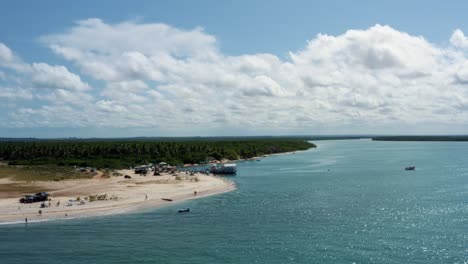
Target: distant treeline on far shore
[[421, 138], [119, 153]]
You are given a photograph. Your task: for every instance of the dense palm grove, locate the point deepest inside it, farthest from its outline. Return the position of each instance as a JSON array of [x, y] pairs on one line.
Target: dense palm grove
[[119, 154]]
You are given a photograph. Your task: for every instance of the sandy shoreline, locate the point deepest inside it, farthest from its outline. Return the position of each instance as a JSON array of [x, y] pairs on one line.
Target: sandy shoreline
[[123, 195], [138, 193]]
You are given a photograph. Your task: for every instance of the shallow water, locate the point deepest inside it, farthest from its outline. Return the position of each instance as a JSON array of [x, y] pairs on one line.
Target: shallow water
[[347, 201]]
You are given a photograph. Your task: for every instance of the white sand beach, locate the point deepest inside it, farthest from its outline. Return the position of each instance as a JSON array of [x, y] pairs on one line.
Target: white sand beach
[[122, 195]]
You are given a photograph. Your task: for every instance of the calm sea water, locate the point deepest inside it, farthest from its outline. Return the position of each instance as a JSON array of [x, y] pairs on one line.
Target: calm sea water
[[344, 202]]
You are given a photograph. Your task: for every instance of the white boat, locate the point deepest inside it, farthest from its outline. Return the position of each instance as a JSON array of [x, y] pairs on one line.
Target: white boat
[[228, 168]]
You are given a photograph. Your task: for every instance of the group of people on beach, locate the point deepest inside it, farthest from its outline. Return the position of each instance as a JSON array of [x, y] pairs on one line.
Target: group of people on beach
[[43, 205]]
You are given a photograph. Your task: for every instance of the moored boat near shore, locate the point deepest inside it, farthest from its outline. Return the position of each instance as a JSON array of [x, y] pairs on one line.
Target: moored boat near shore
[[228, 168]]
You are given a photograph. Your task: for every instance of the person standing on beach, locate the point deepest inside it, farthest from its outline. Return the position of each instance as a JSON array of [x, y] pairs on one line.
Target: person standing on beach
[[26, 220], [146, 197]]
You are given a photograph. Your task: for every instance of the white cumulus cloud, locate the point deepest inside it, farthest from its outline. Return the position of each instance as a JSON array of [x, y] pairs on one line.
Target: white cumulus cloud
[[158, 76], [56, 77], [458, 39]]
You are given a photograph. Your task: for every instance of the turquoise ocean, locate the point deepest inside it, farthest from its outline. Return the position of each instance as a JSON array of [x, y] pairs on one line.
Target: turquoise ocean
[[347, 201]]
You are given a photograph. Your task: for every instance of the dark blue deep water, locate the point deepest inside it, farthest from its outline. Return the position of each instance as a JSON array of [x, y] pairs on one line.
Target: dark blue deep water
[[347, 201]]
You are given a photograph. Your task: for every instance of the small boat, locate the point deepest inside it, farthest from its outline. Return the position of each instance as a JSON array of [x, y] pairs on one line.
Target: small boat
[[186, 210], [410, 168], [228, 168], [167, 199]]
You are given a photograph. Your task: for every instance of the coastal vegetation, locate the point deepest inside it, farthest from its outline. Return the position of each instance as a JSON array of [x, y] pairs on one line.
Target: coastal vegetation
[[118, 154]]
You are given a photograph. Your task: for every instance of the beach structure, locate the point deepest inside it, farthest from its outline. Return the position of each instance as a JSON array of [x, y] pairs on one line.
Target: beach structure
[[142, 169]]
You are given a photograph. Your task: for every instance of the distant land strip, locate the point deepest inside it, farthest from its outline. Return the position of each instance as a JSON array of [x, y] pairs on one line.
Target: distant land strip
[[181, 139], [421, 138]]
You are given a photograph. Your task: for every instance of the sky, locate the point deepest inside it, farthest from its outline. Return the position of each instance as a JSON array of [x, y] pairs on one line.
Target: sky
[[228, 68]]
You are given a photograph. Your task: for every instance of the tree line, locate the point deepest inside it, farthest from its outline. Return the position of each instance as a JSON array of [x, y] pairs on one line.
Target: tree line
[[120, 154]]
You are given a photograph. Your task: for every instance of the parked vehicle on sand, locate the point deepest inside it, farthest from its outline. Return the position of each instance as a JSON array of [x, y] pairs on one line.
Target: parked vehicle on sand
[[38, 197]]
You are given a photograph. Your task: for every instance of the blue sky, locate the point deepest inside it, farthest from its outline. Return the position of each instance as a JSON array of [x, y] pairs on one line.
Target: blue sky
[[237, 34], [242, 26]]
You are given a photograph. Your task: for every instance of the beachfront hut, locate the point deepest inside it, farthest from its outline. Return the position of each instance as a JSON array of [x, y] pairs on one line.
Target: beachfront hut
[[163, 165], [171, 169]]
